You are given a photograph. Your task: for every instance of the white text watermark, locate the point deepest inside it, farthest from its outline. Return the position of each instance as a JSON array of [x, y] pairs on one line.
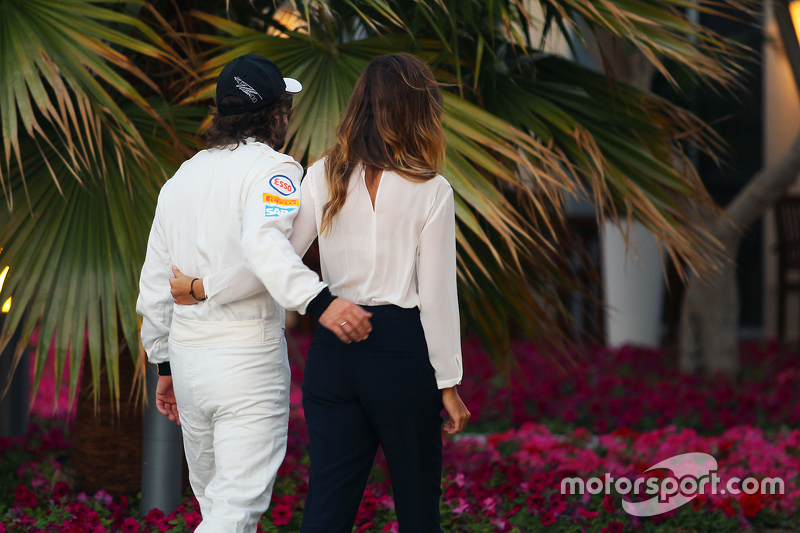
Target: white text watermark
[[693, 474]]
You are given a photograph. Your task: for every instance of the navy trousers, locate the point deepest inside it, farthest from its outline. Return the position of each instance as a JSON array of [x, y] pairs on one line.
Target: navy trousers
[[357, 396]]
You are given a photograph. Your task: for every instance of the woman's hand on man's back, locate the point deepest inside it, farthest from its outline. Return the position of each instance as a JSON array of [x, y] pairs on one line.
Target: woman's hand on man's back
[[181, 285]]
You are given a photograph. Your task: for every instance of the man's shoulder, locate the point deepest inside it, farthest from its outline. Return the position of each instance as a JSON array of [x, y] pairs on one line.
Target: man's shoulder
[[264, 158], [200, 159]]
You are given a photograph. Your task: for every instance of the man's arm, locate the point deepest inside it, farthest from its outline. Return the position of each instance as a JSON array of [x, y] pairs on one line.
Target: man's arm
[[270, 209], [237, 282], [155, 303]]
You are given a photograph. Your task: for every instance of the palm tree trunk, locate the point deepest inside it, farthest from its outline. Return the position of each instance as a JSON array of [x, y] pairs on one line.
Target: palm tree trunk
[[710, 313], [108, 441]]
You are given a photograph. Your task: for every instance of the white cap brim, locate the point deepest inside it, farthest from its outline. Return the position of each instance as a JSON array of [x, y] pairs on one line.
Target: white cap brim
[[292, 85]]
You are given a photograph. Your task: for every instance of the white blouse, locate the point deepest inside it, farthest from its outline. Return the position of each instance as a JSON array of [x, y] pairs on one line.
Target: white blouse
[[401, 252]]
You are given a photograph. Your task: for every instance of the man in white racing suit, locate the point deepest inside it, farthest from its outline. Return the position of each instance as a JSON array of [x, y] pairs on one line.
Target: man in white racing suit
[[224, 372]]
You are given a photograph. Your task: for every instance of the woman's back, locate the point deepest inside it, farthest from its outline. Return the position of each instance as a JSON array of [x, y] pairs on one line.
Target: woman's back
[[370, 255], [400, 252]]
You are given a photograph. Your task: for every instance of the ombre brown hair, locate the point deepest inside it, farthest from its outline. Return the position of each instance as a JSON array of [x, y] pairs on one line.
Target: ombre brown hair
[[393, 122]]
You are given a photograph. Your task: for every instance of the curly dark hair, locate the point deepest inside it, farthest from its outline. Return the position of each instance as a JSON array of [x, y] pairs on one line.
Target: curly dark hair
[[265, 124]]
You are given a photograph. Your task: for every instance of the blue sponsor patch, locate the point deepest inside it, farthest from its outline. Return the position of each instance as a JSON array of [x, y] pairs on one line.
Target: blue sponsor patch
[[275, 211], [282, 184]]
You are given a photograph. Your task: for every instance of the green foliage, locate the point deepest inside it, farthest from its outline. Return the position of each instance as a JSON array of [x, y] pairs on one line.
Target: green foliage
[[90, 132], [76, 250]]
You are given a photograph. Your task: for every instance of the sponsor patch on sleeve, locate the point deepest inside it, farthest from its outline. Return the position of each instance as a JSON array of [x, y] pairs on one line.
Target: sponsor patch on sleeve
[[277, 200], [275, 211], [282, 184]]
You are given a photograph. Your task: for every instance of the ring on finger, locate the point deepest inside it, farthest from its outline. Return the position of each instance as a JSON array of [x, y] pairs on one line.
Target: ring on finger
[[342, 324]]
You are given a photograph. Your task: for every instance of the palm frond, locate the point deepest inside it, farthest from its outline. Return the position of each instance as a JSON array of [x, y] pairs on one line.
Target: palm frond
[[75, 255], [523, 128], [663, 31], [64, 69], [89, 151]]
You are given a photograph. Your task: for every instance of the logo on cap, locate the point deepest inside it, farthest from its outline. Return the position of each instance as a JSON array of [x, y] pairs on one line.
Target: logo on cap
[[246, 89]]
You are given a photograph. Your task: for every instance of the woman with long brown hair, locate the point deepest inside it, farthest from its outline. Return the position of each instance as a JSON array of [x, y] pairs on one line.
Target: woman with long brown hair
[[385, 219]]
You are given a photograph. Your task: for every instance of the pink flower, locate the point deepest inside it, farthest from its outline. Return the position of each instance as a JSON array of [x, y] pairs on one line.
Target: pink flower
[[727, 507], [585, 513], [463, 506], [548, 518], [559, 506], [103, 496], [92, 518], [193, 519], [60, 490], [391, 527], [368, 508], [282, 514], [24, 497], [130, 525], [751, 504], [613, 527], [608, 503], [154, 515]]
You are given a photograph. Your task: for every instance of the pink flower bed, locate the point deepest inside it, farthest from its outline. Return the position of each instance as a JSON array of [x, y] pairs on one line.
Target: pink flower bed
[[616, 412], [630, 387], [504, 482], [601, 390]]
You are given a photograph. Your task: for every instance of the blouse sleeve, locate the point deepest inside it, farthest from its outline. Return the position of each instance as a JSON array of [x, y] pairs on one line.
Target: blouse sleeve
[[438, 295], [304, 229]]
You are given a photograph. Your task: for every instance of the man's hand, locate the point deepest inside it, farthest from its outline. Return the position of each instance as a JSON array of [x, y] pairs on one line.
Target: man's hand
[[180, 286], [459, 414], [165, 399], [350, 322]]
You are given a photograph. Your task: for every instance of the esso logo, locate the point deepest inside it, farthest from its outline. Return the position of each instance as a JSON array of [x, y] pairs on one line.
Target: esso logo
[[282, 184]]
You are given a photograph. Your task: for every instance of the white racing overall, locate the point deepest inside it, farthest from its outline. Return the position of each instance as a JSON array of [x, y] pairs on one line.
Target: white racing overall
[[229, 363]]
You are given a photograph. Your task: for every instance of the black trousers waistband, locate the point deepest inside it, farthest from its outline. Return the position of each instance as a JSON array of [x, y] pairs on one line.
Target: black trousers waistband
[[392, 311], [393, 328]]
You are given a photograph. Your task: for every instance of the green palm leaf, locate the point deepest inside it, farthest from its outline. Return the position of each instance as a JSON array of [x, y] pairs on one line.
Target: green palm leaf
[[64, 68], [88, 147], [523, 128], [76, 252]]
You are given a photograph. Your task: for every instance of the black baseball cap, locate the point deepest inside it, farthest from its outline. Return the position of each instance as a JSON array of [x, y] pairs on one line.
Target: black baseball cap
[[256, 80]]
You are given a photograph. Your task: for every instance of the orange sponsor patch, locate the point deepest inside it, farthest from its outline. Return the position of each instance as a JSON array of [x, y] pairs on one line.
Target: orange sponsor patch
[[277, 200]]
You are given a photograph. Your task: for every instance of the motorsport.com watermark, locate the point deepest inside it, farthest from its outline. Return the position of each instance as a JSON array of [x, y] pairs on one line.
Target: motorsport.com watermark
[[693, 474]]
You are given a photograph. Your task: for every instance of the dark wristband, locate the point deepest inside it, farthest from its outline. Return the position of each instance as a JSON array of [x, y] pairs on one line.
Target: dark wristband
[[320, 303], [191, 291], [164, 369]]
